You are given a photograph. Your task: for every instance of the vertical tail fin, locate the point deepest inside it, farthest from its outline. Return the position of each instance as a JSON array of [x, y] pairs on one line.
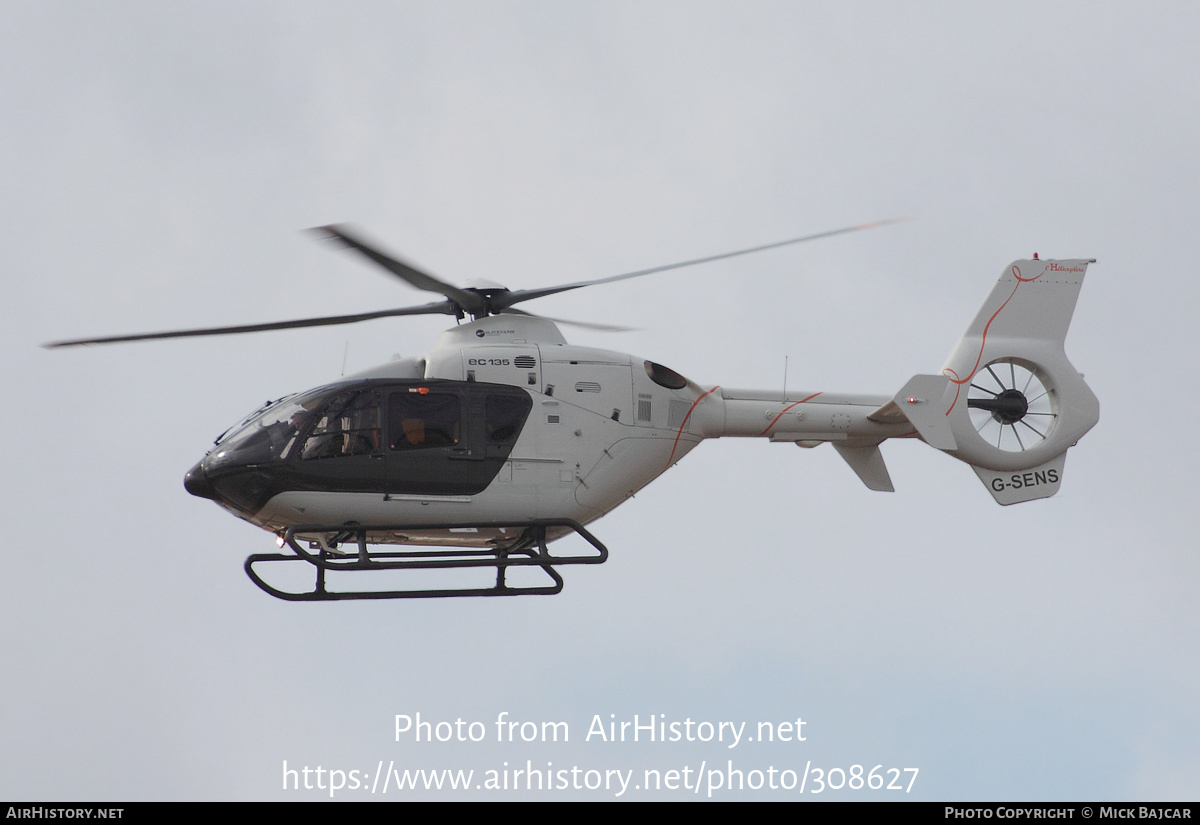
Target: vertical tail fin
[[1011, 401]]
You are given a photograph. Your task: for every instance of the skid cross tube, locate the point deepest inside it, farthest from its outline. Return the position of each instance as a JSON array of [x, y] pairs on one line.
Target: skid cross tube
[[526, 550]]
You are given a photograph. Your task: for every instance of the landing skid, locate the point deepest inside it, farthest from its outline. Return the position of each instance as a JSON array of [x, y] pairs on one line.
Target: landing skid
[[527, 550]]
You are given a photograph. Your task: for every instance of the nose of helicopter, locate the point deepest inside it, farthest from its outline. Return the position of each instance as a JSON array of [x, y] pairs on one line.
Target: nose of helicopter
[[196, 482], [243, 488]]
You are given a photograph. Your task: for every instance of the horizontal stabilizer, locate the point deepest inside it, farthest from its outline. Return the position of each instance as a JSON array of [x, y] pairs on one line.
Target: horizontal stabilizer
[[867, 462], [922, 402], [1024, 485]]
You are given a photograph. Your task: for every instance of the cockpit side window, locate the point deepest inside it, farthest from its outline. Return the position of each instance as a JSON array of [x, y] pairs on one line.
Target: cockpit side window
[[503, 415], [347, 425], [418, 420]]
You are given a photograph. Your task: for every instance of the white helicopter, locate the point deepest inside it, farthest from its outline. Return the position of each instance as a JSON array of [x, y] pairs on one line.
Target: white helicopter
[[505, 437]]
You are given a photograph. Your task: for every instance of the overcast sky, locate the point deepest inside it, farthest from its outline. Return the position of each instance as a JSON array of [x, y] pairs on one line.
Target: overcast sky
[[158, 161]]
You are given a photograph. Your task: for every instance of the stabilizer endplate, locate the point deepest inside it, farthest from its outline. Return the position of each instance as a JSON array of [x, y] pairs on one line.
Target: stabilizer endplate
[[1026, 485], [923, 402]]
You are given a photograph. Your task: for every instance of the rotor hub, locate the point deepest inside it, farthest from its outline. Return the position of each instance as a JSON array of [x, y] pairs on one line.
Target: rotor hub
[[1011, 406]]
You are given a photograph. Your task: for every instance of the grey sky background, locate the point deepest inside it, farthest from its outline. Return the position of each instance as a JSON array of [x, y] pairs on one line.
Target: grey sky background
[[157, 161]]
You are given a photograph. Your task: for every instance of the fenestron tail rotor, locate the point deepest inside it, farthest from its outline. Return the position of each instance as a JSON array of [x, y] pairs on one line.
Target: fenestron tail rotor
[[1011, 406]]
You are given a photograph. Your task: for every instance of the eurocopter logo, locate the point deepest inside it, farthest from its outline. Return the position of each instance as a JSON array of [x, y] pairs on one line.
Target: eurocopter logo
[[479, 333]]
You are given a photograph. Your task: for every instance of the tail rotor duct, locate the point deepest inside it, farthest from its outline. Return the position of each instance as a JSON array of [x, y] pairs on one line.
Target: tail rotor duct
[[1012, 405]]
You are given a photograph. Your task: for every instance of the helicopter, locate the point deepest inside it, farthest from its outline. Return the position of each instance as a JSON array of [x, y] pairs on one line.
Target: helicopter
[[505, 438]]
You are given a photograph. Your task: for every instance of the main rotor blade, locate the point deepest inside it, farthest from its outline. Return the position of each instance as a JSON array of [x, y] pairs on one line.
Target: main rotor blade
[[468, 301], [583, 324], [516, 297], [438, 308]]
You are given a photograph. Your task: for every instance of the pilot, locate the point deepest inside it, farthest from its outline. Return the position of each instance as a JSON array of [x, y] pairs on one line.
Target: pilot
[[412, 434]]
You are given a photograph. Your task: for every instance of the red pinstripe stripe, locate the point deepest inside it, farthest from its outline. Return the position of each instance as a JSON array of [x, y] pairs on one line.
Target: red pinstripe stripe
[[958, 382], [685, 421], [775, 420]]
